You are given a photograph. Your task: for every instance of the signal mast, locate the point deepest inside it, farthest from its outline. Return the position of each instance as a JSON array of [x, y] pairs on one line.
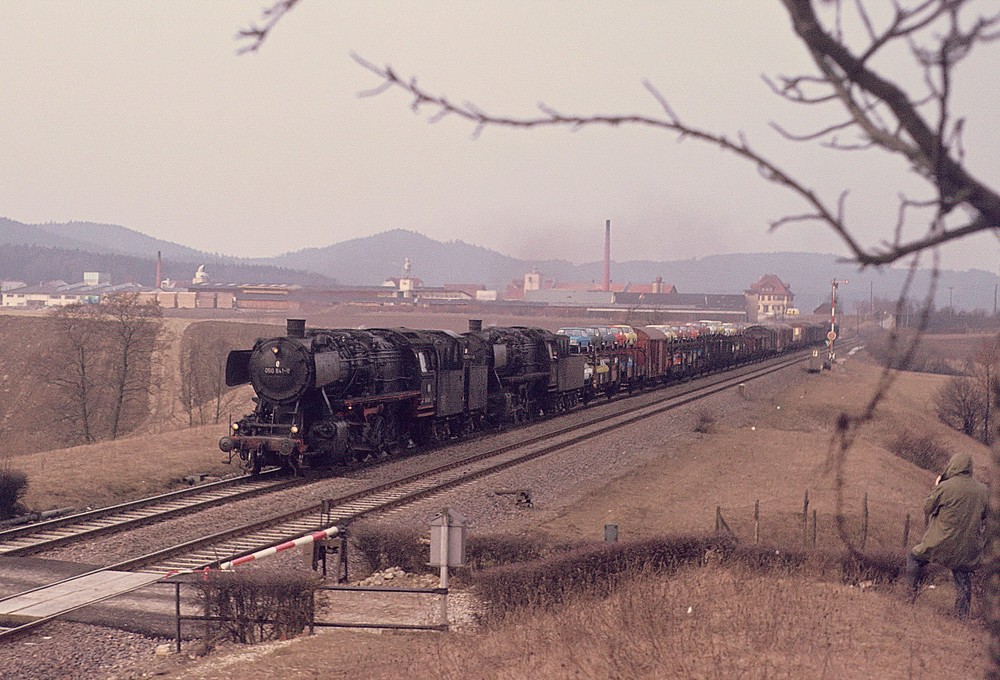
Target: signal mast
[[832, 335]]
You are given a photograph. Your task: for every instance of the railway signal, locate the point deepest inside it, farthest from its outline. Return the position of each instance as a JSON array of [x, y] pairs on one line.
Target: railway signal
[[832, 335]]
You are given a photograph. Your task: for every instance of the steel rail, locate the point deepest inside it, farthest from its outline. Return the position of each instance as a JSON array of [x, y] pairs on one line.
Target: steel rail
[[210, 551], [41, 536]]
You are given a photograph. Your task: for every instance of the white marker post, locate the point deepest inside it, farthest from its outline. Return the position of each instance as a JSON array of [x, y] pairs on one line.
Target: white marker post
[[447, 549]]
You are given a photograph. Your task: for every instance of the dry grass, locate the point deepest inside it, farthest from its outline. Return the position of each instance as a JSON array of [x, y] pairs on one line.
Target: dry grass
[[741, 623], [700, 622], [110, 472], [718, 623], [782, 454]]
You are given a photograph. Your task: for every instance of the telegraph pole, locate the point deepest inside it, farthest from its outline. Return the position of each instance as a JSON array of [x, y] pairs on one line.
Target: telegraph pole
[[832, 335]]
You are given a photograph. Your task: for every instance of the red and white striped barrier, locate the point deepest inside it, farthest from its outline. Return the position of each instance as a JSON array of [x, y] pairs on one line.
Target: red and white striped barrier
[[266, 552], [287, 545]]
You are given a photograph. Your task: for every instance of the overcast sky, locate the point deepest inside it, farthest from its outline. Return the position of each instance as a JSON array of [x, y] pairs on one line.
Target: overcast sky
[[143, 114]]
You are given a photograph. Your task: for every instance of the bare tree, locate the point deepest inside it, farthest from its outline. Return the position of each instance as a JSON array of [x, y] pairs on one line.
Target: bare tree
[[204, 394], [960, 405], [876, 112], [968, 402], [190, 392], [136, 329], [220, 394], [985, 369], [76, 371], [102, 368]]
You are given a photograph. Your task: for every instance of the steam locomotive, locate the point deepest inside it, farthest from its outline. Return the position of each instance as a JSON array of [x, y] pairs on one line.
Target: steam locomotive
[[326, 397]]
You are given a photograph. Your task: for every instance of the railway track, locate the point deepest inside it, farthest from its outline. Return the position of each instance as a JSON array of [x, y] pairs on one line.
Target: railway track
[[211, 551], [41, 536]]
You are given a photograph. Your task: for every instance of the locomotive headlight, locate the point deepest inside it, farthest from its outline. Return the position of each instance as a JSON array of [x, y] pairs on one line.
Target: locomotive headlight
[[295, 429], [274, 349], [236, 426]]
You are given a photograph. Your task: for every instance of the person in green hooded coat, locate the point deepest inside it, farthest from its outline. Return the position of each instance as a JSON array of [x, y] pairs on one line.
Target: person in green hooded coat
[[955, 512]]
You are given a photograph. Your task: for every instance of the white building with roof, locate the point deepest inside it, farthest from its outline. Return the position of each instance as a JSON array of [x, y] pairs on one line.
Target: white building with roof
[[59, 294]]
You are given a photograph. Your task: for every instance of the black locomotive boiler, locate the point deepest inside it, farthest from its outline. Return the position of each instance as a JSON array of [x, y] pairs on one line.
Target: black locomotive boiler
[[331, 396]]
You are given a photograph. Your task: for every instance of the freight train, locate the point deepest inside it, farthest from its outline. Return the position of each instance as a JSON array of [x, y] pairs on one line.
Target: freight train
[[326, 397]]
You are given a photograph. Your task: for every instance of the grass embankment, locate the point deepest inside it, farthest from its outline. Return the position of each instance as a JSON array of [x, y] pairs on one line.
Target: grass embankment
[[721, 623], [732, 619], [665, 608], [106, 473], [152, 459]]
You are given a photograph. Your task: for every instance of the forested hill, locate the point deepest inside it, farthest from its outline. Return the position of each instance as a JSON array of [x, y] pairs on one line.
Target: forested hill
[[35, 264], [372, 259], [33, 253]]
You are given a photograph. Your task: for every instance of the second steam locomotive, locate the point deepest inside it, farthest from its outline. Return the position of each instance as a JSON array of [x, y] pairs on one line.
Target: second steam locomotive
[[331, 396]]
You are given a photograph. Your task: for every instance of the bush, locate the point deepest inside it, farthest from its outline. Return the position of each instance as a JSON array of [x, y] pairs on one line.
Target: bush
[[258, 606], [385, 546], [705, 423], [596, 571], [765, 559], [923, 450], [494, 550], [600, 570], [961, 405], [876, 566], [13, 485]]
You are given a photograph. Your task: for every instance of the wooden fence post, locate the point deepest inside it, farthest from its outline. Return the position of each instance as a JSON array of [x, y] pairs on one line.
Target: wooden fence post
[[814, 527], [720, 523], [756, 522], [805, 519], [864, 522], [177, 612], [906, 532]]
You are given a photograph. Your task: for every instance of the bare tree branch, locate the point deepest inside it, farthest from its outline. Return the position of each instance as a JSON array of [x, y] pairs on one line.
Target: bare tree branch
[[921, 128], [933, 149], [256, 34]]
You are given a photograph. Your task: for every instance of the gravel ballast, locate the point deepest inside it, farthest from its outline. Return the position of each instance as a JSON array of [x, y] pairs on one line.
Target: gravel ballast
[[75, 650]]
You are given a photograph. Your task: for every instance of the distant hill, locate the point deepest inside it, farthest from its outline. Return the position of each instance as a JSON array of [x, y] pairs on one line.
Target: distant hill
[[130, 256], [35, 253], [373, 259], [35, 264], [97, 238], [370, 260]]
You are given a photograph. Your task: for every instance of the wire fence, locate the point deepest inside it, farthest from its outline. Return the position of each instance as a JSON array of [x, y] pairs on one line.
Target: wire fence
[[809, 524]]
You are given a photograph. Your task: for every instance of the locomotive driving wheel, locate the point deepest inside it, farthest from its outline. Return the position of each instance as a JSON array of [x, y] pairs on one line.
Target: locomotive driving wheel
[[255, 461], [516, 406], [383, 435]]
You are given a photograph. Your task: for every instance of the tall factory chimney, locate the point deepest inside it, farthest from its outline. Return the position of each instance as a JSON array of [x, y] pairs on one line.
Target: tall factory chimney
[[607, 255], [159, 269]]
